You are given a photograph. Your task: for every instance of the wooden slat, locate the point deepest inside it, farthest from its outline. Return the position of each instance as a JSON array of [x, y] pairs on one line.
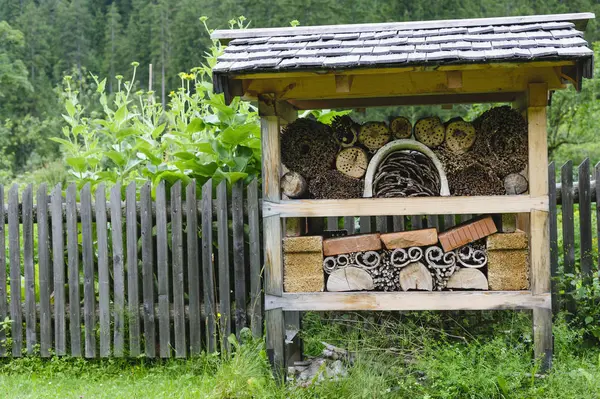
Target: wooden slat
[[433, 221], [349, 224], [3, 279], [162, 264], [208, 278], [585, 221], [116, 224], [416, 222], [568, 226], [239, 264], [58, 256], [133, 295], [381, 224], [147, 270], [89, 294], [256, 301], [365, 224], [224, 280], [456, 300], [103, 284], [332, 223], [553, 235], [14, 248], [193, 268], [177, 261], [449, 222], [73, 270], [28, 269], [398, 223], [406, 206], [43, 267], [597, 197]]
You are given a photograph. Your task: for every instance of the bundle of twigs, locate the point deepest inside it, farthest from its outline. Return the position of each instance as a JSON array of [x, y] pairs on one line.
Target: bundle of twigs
[[406, 174]]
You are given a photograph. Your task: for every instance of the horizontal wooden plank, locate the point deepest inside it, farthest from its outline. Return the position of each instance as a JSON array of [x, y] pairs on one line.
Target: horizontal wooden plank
[[406, 206], [455, 300]]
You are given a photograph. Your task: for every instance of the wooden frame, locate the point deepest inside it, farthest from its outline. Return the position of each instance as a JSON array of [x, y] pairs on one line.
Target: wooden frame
[[525, 84]]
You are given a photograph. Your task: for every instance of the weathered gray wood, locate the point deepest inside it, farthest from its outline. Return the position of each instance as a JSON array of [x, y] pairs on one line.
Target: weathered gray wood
[[224, 280], [465, 217], [585, 221], [133, 293], [3, 296], [575, 191], [103, 284], [416, 222], [116, 228], [58, 260], [162, 264], [208, 278], [148, 271], [14, 248], [553, 234], [398, 223], [433, 221], [256, 301], [349, 224], [365, 224], [194, 281], [73, 269], [177, 260], [381, 224], [239, 264], [332, 223], [89, 294], [30, 315], [44, 269], [448, 222], [568, 226]]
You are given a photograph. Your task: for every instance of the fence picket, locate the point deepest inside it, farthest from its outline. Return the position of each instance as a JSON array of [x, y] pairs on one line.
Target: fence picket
[[103, 284], [14, 248], [224, 280], [381, 224], [255, 263], [147, 270], [30, 316], [193, 266], [89, 294], [177, 256], [553, 234], [448, 222], [349, 224], [162, 259], [365, 224], [116, 227], [133, 294], [73, 269], [568, 226], [58, 260], [332, 223], [597, 194], [416, 222], [207, 260], [239, 264], [585, 221], [3, 297], [398, 223]]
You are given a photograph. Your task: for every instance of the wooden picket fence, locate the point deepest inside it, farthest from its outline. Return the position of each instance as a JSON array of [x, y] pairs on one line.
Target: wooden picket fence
[[153, 279]]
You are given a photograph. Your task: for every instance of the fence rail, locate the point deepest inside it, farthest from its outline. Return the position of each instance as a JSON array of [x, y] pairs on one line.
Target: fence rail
[[91, 275]]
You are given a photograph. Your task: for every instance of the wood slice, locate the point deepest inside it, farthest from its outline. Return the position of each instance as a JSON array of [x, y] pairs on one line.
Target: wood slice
[[515, 184], [416, 277], [374, 135], [352, 162], [460, 136], [401, 128], [468, 279], [293, 185], [349, 279], [430, 131]]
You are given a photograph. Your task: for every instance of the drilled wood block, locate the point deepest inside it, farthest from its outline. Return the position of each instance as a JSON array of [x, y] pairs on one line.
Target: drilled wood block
[[356, 243], [303, 264], [467, 233], [406, 239], [499, 241]]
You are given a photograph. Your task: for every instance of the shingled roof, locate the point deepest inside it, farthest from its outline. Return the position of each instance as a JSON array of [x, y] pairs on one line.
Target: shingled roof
[[486, 40]]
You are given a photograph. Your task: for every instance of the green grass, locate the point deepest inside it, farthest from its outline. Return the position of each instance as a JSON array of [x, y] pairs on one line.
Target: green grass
[[421, 355]]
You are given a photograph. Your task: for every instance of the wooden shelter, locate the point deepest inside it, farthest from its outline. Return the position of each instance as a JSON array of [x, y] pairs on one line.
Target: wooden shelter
[[520, 60]]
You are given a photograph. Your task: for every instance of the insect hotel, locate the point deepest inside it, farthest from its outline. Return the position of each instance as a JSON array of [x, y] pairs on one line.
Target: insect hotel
[[436, 214]]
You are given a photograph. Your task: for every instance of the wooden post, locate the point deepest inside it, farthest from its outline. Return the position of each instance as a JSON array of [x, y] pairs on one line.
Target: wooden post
[[539, 244]]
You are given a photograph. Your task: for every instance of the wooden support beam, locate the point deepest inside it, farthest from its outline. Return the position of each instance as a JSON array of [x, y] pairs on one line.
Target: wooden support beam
[[454, 79], [343, 83]]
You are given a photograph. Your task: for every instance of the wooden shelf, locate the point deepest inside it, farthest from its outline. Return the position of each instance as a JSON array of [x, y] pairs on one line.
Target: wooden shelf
[[445, 300], [406, 206]]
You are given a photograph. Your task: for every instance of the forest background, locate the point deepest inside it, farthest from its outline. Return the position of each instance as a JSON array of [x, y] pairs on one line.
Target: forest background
[[43, 41]]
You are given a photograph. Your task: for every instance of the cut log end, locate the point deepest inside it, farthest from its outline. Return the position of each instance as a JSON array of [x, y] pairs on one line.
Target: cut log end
[[349, 279], [430, 131], [293, 185], [468, 279], [374, 135], [401, 128], [352, 162], [460, 136], [515, 184], [416, 277]]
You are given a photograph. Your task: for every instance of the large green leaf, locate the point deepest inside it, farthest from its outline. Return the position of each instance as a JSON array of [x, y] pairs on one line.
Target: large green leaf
[[130, 131], [195, 125], [79, 164], [158, 130], [117, 157], [236, 134]]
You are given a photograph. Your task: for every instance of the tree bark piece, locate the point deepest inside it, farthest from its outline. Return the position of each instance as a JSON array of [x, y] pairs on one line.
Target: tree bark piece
[[430, 131], [356, 243], [352, 162], [349, 279], [460, 136], [416, 277], [374, 135], [468, 279], [515, 184], [401, 128], [293, 185], [467, 233], [406, 239]]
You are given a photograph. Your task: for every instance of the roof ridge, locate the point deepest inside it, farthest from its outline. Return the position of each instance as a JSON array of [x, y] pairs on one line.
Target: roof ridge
[[579, 19]]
